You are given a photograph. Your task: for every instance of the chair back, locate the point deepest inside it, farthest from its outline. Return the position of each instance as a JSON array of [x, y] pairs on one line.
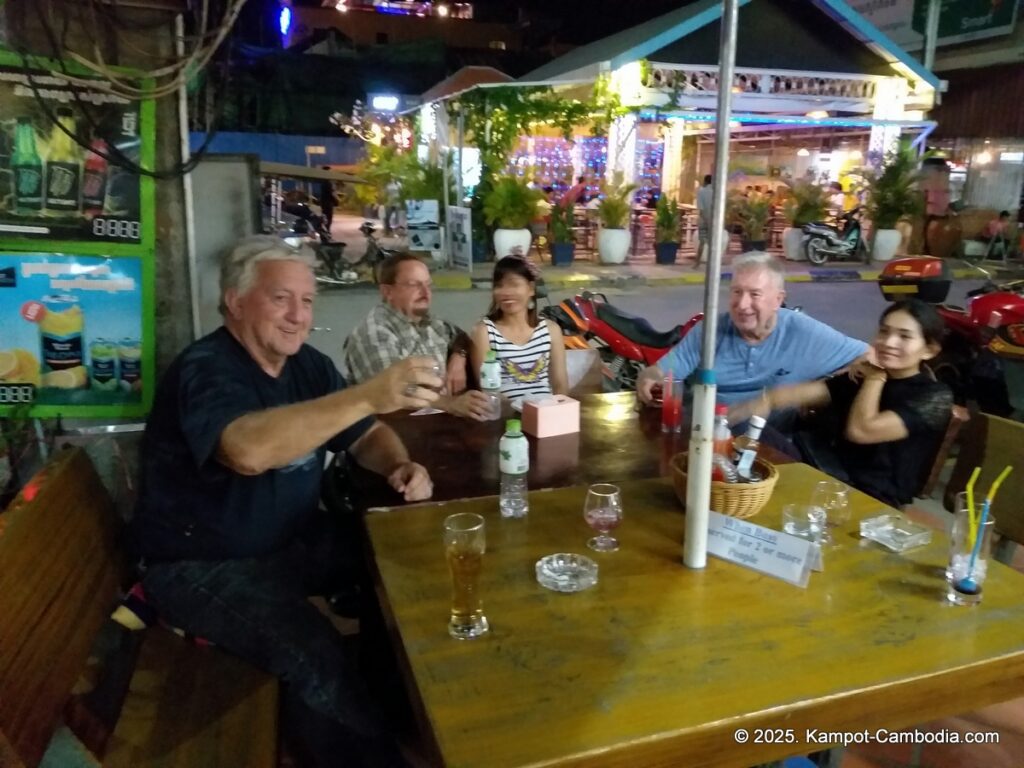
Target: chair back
[[957, 418], [59, 579], [992, 442]]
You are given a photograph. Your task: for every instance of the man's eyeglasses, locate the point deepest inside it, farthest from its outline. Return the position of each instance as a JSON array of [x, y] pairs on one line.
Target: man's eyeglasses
[[416, 284]]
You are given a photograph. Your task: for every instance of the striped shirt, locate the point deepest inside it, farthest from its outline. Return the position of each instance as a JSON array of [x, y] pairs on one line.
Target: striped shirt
[[524, 369]]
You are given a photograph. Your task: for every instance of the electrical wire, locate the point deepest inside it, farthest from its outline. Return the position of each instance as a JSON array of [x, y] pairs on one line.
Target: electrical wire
[[178, 72], [114, 155]]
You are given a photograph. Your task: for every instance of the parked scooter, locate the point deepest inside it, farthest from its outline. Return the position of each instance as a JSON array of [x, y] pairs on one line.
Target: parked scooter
[[822, 241], [982, 357], [375, 253], [307, 221], [627, 343]]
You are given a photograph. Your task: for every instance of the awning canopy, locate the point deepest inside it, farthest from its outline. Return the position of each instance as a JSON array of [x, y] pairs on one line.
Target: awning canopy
[[305, 173], [655, 39], [465, 79]]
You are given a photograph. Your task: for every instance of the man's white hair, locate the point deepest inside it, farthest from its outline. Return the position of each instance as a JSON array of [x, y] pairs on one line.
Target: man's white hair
[[238, 264], [752, 260]]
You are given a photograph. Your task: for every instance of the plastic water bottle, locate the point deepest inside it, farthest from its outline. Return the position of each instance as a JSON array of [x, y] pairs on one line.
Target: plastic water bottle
[[490, 382], [514, 463]]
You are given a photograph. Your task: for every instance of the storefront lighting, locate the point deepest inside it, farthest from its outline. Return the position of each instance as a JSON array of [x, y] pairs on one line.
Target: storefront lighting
[[1011, 157], [817, 114], [442, 11], [803, 152], [746, 119], [384, 103], [984, 158], [341, 6]]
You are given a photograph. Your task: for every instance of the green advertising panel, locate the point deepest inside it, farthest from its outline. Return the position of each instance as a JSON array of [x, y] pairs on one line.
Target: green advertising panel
[[77, 340], [964, 20], [76, 243], [56, 191]]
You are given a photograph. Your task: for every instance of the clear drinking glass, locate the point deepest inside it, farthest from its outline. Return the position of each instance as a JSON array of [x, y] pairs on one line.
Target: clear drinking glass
[[464, 547], [968, 557], [804, 520], [833, 498], [672, 405], [439, 370], [603, 512]]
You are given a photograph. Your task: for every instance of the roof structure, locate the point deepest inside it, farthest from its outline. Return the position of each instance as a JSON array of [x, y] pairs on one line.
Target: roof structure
[[828, 43], [463, 80]]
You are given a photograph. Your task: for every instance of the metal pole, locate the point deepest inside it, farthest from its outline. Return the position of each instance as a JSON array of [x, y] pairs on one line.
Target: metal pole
[[698, 491], [931, 33], [458, 171]]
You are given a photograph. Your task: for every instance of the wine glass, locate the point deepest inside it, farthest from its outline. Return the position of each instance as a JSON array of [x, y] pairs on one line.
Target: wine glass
[[603, 512], [833, 498]]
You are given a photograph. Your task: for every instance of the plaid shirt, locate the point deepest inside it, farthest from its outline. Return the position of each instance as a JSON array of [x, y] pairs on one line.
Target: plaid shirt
[[387, 336]]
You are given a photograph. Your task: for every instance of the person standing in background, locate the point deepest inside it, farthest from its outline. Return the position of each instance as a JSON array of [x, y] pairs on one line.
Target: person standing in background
[[326, 195], [705, 200]]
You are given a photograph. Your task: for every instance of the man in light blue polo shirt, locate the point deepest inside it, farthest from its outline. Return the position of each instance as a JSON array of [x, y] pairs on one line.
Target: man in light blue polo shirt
[[759, 344]]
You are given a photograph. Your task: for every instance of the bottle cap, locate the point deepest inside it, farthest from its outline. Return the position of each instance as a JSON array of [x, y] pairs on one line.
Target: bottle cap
[[513, 425], [757, 421], [491, 356], [721, 409]]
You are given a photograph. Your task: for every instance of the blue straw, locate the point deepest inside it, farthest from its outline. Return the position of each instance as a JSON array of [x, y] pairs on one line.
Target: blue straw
[[967, 584]]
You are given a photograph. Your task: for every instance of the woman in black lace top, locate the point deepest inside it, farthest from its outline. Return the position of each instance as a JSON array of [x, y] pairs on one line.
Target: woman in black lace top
[[888, 417]]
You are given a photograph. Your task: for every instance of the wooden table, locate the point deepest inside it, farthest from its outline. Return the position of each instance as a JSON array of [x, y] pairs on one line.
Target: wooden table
[[658, 665], [615, 442]]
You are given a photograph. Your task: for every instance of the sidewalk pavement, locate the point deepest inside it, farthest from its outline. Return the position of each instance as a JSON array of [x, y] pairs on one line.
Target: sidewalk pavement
[[590, 274]]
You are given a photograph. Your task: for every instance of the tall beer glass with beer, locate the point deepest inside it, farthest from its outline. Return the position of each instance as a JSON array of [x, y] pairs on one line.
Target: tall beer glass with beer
[[464, 547]]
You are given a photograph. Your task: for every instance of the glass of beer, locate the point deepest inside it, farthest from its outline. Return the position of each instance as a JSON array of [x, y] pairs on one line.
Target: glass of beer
[[464, 547]]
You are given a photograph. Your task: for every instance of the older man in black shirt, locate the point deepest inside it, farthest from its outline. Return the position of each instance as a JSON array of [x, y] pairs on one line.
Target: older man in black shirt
[[228, 524]]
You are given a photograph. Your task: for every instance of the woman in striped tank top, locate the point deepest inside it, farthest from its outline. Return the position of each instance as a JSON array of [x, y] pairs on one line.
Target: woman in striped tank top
[[531, 351]]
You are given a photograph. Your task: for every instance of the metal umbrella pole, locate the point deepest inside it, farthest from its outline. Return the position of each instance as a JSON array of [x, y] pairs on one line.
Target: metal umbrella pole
[[698, 472]]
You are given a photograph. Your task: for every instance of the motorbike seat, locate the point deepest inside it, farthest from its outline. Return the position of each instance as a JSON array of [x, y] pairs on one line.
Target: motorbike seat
[[637, 328]]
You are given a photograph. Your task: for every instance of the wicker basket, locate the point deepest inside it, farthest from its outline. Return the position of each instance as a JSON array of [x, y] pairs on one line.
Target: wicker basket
[[734, 499]]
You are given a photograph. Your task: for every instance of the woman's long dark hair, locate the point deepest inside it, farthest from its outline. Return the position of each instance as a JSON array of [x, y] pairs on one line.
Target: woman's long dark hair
[[932, 328], [514, 265]]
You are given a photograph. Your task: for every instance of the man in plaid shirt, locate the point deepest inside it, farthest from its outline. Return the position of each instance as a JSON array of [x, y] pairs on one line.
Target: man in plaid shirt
[[401, 326]]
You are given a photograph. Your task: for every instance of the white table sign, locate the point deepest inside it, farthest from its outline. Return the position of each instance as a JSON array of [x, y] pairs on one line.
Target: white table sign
[[771, 552]]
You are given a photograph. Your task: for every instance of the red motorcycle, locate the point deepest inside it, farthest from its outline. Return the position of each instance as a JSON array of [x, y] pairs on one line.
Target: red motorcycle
[[982, 358], [627, 343]]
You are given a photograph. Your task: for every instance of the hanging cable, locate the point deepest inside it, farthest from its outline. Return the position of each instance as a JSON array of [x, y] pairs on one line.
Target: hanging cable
[[114, 155]]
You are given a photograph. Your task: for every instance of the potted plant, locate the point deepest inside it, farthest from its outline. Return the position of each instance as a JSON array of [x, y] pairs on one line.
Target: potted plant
[[562, 246], [751, 212], [805, 204], [613, 211], [511, 205], [892, 195], [666, 230]]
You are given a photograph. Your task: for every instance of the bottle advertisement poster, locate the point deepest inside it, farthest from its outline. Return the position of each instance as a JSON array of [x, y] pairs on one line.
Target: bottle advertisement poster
[[74, 330], [53, 187]]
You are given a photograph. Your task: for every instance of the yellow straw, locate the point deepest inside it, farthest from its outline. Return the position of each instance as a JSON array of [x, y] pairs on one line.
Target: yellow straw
[[995, 486], [972, 517]]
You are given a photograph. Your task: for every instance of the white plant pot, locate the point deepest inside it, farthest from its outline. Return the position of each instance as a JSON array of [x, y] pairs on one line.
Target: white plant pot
[[793, 244], [885, 244], [510, 242], [613, 245]]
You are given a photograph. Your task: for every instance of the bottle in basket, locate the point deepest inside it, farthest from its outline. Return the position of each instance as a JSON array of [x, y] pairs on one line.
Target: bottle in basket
[[744, 449]]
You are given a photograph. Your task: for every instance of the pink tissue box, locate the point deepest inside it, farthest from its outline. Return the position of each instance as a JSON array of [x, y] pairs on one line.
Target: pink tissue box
[[550, 416]]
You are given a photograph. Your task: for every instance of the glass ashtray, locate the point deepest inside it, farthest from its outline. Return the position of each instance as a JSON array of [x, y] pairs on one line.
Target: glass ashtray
[[566, 572], [895, 532]]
